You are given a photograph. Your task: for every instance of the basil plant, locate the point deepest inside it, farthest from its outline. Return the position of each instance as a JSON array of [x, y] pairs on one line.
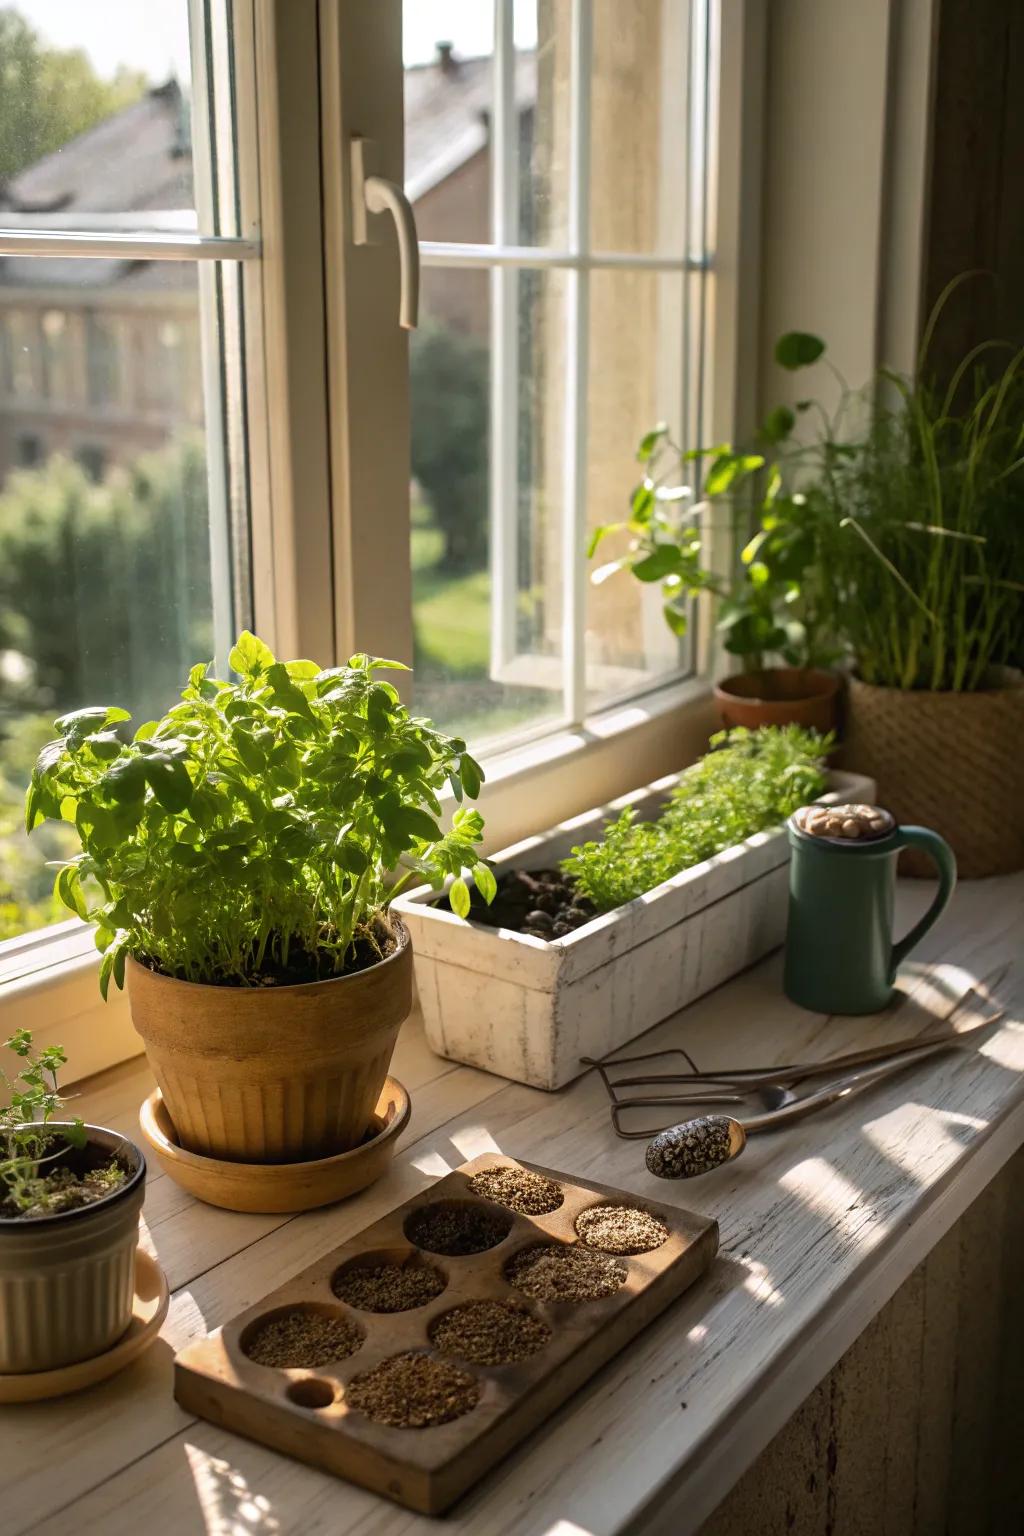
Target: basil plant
[[249, 835]]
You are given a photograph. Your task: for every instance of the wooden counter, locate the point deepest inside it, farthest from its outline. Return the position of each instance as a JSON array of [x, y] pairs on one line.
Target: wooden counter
[[820, 1226]]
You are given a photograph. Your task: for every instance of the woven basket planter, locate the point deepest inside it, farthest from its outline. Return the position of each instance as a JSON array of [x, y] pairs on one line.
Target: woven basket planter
[[950, 761]]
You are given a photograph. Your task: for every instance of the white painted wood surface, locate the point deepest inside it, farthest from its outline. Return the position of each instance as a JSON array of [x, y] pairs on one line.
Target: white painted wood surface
[[820, 1225], [528, 1009]]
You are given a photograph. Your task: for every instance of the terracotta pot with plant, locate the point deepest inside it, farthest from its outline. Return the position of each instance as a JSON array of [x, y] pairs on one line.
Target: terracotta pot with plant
[[235, 861], [917, 521], [767, 599], [70, 1196]]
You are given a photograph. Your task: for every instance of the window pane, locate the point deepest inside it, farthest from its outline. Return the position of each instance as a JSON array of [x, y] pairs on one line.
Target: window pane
[[450, 111], [487, 651], [108, 589], [96, 115], [635, 380], [639, 139]]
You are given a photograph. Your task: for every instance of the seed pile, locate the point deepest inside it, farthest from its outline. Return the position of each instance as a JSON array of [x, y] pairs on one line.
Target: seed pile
[[389, 1287], [413, 1391], [304, 1339], [489, 1333], [620, 1229], [557, 1272], [528, 1193], [863, 821], [455, 1229]]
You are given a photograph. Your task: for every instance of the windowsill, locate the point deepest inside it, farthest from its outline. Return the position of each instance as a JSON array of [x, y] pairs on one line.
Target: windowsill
[[48, 980]]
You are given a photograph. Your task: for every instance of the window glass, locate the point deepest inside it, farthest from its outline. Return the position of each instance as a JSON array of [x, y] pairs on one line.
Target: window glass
[[636, 335], [115, 551], [639, 145], [450, 112], [465, 676], [95, 120], [568, 159]]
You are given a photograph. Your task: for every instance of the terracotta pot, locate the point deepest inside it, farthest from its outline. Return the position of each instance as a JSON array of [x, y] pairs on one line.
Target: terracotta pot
[[949, 761], [271, 1188], [780, 696], [67, 1281], [273, 1074]]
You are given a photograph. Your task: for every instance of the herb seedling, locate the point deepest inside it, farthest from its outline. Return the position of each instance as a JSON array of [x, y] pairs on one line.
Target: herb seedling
[[26, 1138], [749, 781], [248, 836]]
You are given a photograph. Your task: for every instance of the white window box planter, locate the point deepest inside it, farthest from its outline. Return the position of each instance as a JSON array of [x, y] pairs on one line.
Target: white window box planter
[[529, 1010]]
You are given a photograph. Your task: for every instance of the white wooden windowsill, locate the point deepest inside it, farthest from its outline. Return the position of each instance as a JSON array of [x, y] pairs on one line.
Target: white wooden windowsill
[[820, 1225]]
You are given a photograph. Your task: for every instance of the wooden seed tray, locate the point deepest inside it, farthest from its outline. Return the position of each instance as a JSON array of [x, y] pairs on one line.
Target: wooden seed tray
[[427, 1469]]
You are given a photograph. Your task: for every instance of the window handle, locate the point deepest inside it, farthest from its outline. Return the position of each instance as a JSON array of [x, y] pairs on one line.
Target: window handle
[[375, 194]]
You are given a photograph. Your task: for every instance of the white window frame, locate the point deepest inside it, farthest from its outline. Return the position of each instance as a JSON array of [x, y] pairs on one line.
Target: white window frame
[[325, 411]]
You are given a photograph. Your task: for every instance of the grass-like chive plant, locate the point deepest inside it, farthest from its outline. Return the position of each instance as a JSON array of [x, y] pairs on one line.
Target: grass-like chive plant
[[248, 837], [27, 1145], [912, 508], [749, 781]]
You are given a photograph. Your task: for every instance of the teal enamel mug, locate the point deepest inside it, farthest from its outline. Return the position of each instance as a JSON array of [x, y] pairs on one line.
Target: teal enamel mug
[[840, 953]]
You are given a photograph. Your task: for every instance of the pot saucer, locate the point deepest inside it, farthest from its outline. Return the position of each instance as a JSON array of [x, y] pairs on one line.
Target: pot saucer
[[149, 1309], [275, 1188]]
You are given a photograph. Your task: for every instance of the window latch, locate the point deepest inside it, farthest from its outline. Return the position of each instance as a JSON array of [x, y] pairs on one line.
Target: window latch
[[375, 194]]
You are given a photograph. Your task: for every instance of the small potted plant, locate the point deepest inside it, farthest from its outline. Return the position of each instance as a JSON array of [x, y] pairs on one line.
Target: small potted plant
[[235, 861], [768, 603], [914, 508], [70, 1196]]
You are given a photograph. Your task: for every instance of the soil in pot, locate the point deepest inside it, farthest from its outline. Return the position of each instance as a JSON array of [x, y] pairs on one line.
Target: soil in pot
[[540, 902], [78, 1177], [780, 696]]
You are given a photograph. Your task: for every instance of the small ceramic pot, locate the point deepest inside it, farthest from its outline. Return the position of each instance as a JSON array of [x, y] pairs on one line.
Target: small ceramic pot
[[780, 696], [67, 1280], [273, 1074]]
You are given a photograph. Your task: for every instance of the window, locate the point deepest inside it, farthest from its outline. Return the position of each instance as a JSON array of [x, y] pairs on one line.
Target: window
[[212, 379], [557, 164], [124, 525]]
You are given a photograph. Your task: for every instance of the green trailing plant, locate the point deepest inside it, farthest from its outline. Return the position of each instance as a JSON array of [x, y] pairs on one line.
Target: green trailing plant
[[914, 507], [749, 781], [248, 836], [26, 1137]]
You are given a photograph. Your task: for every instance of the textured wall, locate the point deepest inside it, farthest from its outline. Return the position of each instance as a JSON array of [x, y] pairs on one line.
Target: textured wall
[[918, 1431]]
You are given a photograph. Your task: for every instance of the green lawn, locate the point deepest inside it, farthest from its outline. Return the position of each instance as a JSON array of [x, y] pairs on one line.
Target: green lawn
[[453, 643]]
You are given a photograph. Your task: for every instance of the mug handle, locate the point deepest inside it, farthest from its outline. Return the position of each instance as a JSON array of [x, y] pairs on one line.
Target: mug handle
[[939, 850]]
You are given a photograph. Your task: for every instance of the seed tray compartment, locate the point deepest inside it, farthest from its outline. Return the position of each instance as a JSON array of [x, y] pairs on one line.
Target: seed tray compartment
[[303, 1412]]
